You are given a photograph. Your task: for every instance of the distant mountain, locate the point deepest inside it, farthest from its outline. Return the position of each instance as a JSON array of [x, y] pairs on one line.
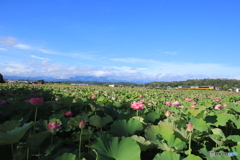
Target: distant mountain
[[77, 78]]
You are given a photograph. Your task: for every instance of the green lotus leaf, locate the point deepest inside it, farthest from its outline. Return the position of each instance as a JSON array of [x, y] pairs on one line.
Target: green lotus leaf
[[125, 128], [142, 142], [152, 131], [222, 119], [199, 124], [219, 132], [178, 126], [117, 104], [195, 112], [10, 125], [206, 153], [66, 156], [13, 136], [74, 122], [235, 138], [192, 157], [99, 122], [236, 122], [167, 155], [101, 100], [163, 136], [36, 139], [124, 148], [152, 116], [234, 107], [237, 150]]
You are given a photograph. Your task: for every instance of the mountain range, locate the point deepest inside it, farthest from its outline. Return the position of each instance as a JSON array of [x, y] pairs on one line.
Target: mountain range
[[77, 78]]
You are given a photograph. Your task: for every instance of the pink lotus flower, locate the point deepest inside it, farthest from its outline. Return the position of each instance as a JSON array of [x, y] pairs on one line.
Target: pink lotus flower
[[192, 107], [82, 124], [140, 96], [168, 103], [36, 101], [168, 113], [194, 103], [150, 104], [68, 113], [181, 107], [142, 100], [176, 103], [218, 107], [53, 125], [137, 105], [189, 126], [93, 97], [188, 99], [57, 99]]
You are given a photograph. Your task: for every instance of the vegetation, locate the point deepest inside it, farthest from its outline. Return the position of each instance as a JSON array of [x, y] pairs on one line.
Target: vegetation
[[223, 83], [59, 122]]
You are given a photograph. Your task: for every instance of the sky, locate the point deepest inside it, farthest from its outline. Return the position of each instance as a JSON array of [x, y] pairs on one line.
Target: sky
[[126, 40]]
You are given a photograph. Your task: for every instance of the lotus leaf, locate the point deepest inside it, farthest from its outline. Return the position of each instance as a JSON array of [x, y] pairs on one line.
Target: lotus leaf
[[124, 148]]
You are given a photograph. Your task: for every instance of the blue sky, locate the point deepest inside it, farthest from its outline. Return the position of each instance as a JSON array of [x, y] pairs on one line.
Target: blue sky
[[143, 40]]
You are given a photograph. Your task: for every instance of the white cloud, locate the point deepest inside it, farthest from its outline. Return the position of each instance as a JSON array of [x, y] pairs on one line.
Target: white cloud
[[22, 46], [3, 49], [47, 59], [121, 73], [166, 52]]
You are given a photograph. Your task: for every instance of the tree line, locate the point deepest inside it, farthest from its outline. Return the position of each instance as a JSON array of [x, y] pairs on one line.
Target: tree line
[[223, 83]]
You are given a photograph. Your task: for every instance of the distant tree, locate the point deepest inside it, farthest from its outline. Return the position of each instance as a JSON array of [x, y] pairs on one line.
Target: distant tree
[[40, 81], [1, 79], [225, 87]]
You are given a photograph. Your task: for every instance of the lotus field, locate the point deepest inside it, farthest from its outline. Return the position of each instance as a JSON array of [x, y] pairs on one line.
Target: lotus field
[[63, 122]]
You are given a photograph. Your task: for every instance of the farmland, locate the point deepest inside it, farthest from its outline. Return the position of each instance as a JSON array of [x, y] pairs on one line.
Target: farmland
[[90, 122]]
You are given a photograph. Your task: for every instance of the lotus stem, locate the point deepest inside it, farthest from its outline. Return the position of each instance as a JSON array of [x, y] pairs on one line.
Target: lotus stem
[[80, 143], [95, 153], [12, 149], [28, 146], [189, 144], [35, 118], [27, 152], [138, 116]]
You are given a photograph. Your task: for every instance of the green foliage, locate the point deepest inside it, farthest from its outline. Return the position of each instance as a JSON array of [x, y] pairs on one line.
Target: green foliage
[[112, 129], [109, 148]]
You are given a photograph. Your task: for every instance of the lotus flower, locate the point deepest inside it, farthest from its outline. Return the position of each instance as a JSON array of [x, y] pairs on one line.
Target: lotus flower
[[218, 106], [140, 96], [68, 113], [188, 99], [137, 105], [168, 103], [53, 125], [176, 103], [82, 124], [194, 103], [189, 126], [36, 101], [168, 113], [192, 107], [181, 107]]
